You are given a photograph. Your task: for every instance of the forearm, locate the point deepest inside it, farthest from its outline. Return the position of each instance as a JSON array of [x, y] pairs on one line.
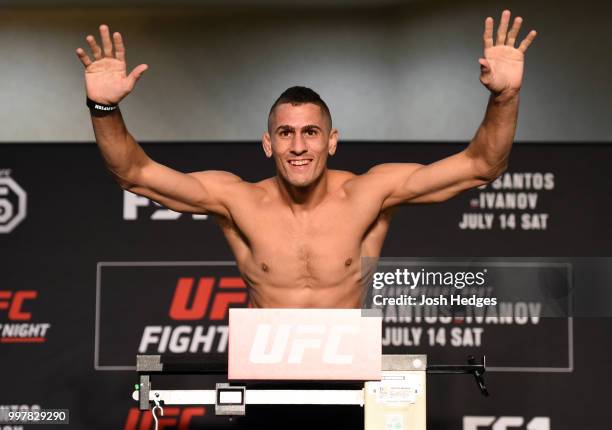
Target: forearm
[[493, 141], [122, 154]]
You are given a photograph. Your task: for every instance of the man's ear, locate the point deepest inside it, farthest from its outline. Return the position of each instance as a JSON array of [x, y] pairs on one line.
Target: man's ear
[[333, 141], [266, 144]]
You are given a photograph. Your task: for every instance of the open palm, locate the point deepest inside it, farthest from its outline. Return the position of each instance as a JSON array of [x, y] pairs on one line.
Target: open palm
[[502, 66], [106, 78]]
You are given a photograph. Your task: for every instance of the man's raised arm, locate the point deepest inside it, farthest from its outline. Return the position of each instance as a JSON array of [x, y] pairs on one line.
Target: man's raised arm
[[107, 83], [486, 157]]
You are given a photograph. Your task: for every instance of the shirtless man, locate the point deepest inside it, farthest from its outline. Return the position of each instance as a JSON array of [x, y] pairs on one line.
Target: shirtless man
[[298, 237]]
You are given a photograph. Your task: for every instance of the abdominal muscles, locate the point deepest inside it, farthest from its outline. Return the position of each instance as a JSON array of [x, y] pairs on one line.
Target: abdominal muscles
[[302, 275]]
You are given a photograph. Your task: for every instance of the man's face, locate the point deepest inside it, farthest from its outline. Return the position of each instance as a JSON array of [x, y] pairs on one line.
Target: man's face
[[300, 140]]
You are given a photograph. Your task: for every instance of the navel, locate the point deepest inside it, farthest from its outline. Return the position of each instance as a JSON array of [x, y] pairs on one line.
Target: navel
[[264, 267], [348, 262]]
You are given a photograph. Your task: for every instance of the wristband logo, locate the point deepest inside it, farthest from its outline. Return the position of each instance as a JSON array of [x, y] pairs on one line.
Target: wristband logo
[[16, 304], [104, 108], [13, 202]]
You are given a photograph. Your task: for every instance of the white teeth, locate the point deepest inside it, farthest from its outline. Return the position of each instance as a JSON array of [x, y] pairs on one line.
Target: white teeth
[[299, 162]]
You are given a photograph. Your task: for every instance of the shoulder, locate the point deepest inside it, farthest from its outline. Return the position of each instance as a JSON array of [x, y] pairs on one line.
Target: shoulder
[[340, 177], [338, 180], [265, 189]]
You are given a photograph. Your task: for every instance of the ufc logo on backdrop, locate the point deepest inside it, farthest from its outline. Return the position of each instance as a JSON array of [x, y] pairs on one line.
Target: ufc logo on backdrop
[[174, 418], [191, 301], [505, 423], [292, 341], [13, 302]]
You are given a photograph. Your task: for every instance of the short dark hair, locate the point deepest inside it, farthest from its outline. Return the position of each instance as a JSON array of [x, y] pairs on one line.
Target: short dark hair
[[300, 95]]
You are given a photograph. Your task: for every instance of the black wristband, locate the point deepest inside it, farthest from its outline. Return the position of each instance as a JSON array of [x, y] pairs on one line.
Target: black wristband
[[99, 107]]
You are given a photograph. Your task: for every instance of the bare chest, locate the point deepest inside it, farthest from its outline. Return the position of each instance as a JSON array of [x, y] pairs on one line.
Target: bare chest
[[323, 248], [324, 239]]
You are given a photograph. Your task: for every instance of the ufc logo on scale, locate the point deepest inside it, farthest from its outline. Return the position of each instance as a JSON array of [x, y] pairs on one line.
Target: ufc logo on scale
[[300, 337], [304, 344]]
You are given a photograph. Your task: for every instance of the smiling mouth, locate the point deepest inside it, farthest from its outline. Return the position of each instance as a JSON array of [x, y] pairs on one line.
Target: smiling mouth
[[299, 163]]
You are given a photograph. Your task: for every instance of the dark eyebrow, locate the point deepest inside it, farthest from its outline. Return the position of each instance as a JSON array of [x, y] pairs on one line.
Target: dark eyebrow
[[285, 128]]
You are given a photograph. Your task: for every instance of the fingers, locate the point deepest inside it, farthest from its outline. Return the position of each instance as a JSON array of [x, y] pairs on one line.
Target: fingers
[[527, 41], [516, 26], [107, 44], [503, 27], [83, 57], [505, 37], [136, 74], [119, 47], [488, 33], [95, 49]]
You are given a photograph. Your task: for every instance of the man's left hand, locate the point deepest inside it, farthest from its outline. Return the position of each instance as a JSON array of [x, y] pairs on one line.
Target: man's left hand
[[501, 69]]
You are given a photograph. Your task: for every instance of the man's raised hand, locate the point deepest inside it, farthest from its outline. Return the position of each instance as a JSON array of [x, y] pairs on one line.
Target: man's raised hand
[[106, 78], [501, 69]]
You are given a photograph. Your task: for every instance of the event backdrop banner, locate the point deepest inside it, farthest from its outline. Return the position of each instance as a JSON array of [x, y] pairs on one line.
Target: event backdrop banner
[[91, 275]]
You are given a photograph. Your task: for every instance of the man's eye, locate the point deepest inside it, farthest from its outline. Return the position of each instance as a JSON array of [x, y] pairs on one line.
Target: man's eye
[[311, 132], [284, 133]]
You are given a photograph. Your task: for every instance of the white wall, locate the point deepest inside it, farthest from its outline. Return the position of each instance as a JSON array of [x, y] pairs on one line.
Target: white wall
[[394, 73]]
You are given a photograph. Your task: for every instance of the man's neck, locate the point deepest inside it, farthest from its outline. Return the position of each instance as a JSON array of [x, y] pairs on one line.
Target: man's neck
[[302, 199]]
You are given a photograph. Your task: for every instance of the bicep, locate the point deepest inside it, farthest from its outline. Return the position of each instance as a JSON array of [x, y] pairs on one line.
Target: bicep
[[435, 182], [198, 192]]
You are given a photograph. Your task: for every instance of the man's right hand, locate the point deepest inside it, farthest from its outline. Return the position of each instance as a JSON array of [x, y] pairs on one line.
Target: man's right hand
[[106, 78]]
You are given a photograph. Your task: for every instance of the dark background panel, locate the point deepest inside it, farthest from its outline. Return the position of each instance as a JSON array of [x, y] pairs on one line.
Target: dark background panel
[[75, 220]]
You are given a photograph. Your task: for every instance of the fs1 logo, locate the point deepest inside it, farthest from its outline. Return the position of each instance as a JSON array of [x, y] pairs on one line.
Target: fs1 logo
[[132, 203], [505, 423], [16, 304], [13, 202], [174, 418], [196, 303], [301, 337]]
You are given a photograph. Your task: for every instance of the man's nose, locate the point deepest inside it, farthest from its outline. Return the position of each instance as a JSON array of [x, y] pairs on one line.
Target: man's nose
[[298, 146]]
